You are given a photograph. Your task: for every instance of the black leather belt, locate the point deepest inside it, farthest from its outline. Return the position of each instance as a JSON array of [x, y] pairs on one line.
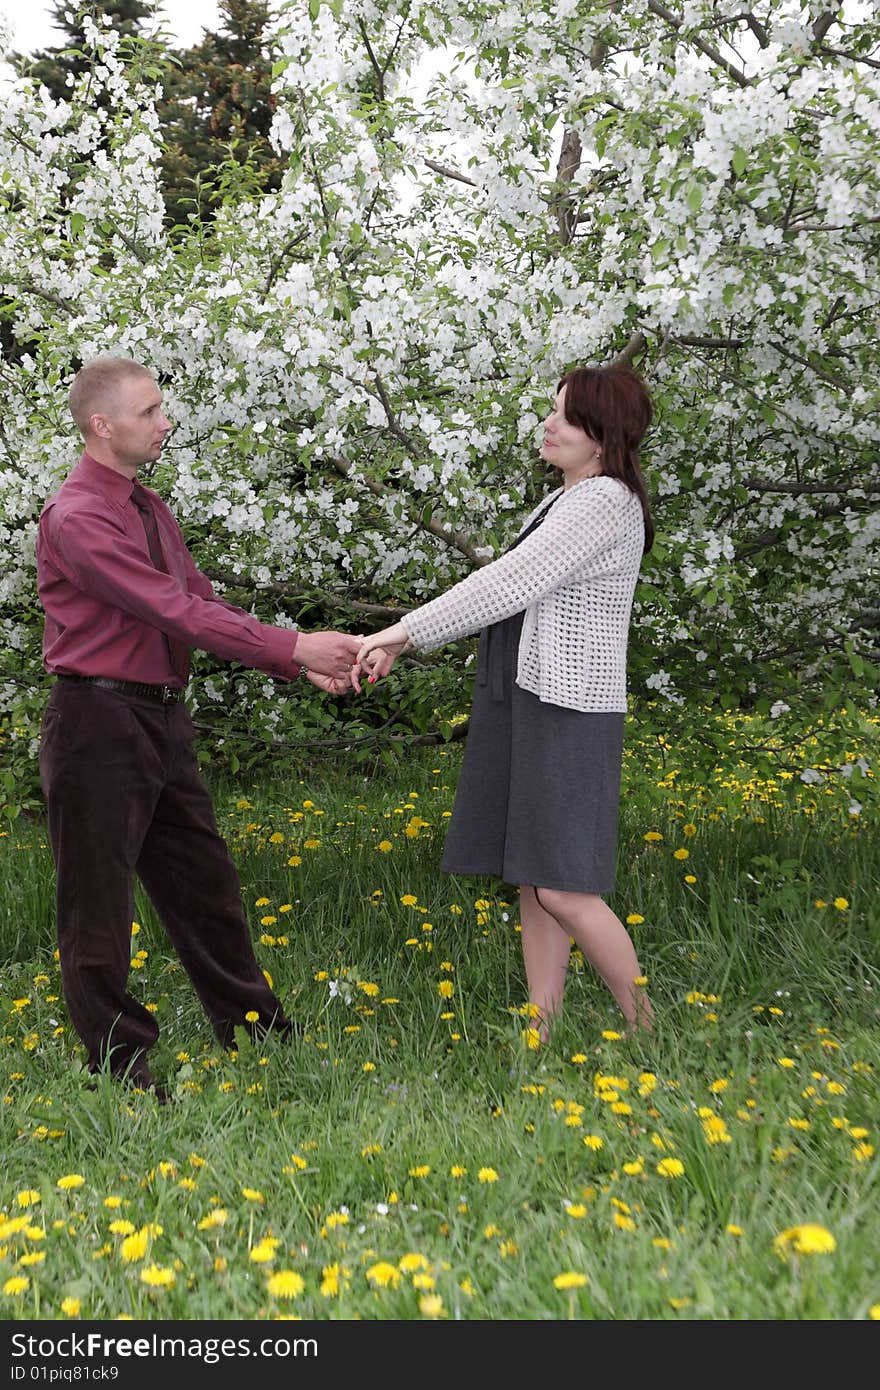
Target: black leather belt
[[164, 694]]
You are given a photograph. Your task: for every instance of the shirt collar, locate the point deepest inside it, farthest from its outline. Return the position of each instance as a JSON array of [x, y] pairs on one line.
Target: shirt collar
[[103, 479]]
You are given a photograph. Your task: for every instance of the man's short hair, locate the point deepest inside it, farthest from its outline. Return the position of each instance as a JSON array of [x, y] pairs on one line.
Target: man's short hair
[[94, 389]]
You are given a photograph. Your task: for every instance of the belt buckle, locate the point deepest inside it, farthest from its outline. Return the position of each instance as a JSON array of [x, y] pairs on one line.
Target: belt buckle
[[167, 694]]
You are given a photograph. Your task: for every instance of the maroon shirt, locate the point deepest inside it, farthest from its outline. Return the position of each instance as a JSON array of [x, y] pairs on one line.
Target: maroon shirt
[[108, 609]]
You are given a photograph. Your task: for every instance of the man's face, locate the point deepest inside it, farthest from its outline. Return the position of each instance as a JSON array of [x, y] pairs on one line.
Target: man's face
[[134, 426]]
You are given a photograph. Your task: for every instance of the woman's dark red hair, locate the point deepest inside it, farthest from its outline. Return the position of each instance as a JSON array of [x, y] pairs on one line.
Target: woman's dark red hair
[[613, 406]]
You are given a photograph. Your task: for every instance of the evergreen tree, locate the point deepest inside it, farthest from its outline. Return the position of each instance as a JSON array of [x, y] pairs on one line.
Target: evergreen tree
[[217, 110]]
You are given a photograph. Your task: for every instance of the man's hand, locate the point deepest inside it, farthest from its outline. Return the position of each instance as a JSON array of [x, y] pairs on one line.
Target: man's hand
[[329, 653], [380, 650]]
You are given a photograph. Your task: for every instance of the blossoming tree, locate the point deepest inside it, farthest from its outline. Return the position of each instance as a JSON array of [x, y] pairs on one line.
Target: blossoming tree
[[357, 365]]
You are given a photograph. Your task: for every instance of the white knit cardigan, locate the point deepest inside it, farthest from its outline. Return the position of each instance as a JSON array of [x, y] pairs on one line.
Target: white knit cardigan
[[575, 576]]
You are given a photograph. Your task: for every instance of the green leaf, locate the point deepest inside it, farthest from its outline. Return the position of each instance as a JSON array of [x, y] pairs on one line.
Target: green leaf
[[740, 160], [694, 197], [314, 8]]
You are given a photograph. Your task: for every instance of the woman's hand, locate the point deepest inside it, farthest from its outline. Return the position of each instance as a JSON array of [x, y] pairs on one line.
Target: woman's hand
[[335, 685], [380, 650]]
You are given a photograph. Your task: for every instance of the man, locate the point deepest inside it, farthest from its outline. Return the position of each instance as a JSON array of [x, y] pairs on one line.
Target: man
[[124, 603]]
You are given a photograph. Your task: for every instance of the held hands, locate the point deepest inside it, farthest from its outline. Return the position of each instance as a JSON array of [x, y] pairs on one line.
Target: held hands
[[335, 661], [379, 651], [332, 654]]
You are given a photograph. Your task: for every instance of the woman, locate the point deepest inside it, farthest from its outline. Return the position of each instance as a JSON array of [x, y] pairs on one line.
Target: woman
[[537, 799]]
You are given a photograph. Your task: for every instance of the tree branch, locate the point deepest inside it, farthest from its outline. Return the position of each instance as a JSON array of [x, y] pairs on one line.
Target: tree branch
[[758, 30], [637, 343], [710, 51], [449, 173], [278, 589], [564, 205], [822, 25], [806, 489], [850, 57], [459, 731], [378, 71], [276, 262], [48, 295], [713, 344], [457, 540], [832, 380], [771, 537]]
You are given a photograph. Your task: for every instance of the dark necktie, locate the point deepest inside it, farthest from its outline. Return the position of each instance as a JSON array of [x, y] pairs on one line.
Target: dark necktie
[[177, 651]]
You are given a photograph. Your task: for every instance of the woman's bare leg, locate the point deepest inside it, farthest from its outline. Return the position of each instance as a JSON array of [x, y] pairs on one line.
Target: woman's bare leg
[[606, 944], [546, 947]]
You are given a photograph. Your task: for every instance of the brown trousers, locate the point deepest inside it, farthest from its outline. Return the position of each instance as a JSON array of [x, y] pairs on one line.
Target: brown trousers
[[125, 796]]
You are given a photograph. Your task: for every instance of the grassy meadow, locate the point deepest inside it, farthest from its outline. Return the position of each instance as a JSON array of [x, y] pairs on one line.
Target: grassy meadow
[[412, 1157]]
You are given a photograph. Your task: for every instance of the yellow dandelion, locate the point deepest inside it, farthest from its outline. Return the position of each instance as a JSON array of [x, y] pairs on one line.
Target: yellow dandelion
[[670, 1167], [431, 1306], [158, 1277], [841, 904], [809, 1239], [70, 1181], [218, 1217], [487, 1175], [264, 1251], [70, 1307], [570, 1279], [384, 1275], [134, 1247], [16, 1285], [286, 1283]]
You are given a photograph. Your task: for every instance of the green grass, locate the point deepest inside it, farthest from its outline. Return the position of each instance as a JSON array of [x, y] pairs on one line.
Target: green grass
[[411, 1157]]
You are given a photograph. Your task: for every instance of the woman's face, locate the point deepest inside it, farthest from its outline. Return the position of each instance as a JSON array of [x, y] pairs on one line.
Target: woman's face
[[568, 447]]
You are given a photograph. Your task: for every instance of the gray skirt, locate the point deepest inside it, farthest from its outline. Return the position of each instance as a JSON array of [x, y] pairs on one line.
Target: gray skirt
[[538, 794]]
